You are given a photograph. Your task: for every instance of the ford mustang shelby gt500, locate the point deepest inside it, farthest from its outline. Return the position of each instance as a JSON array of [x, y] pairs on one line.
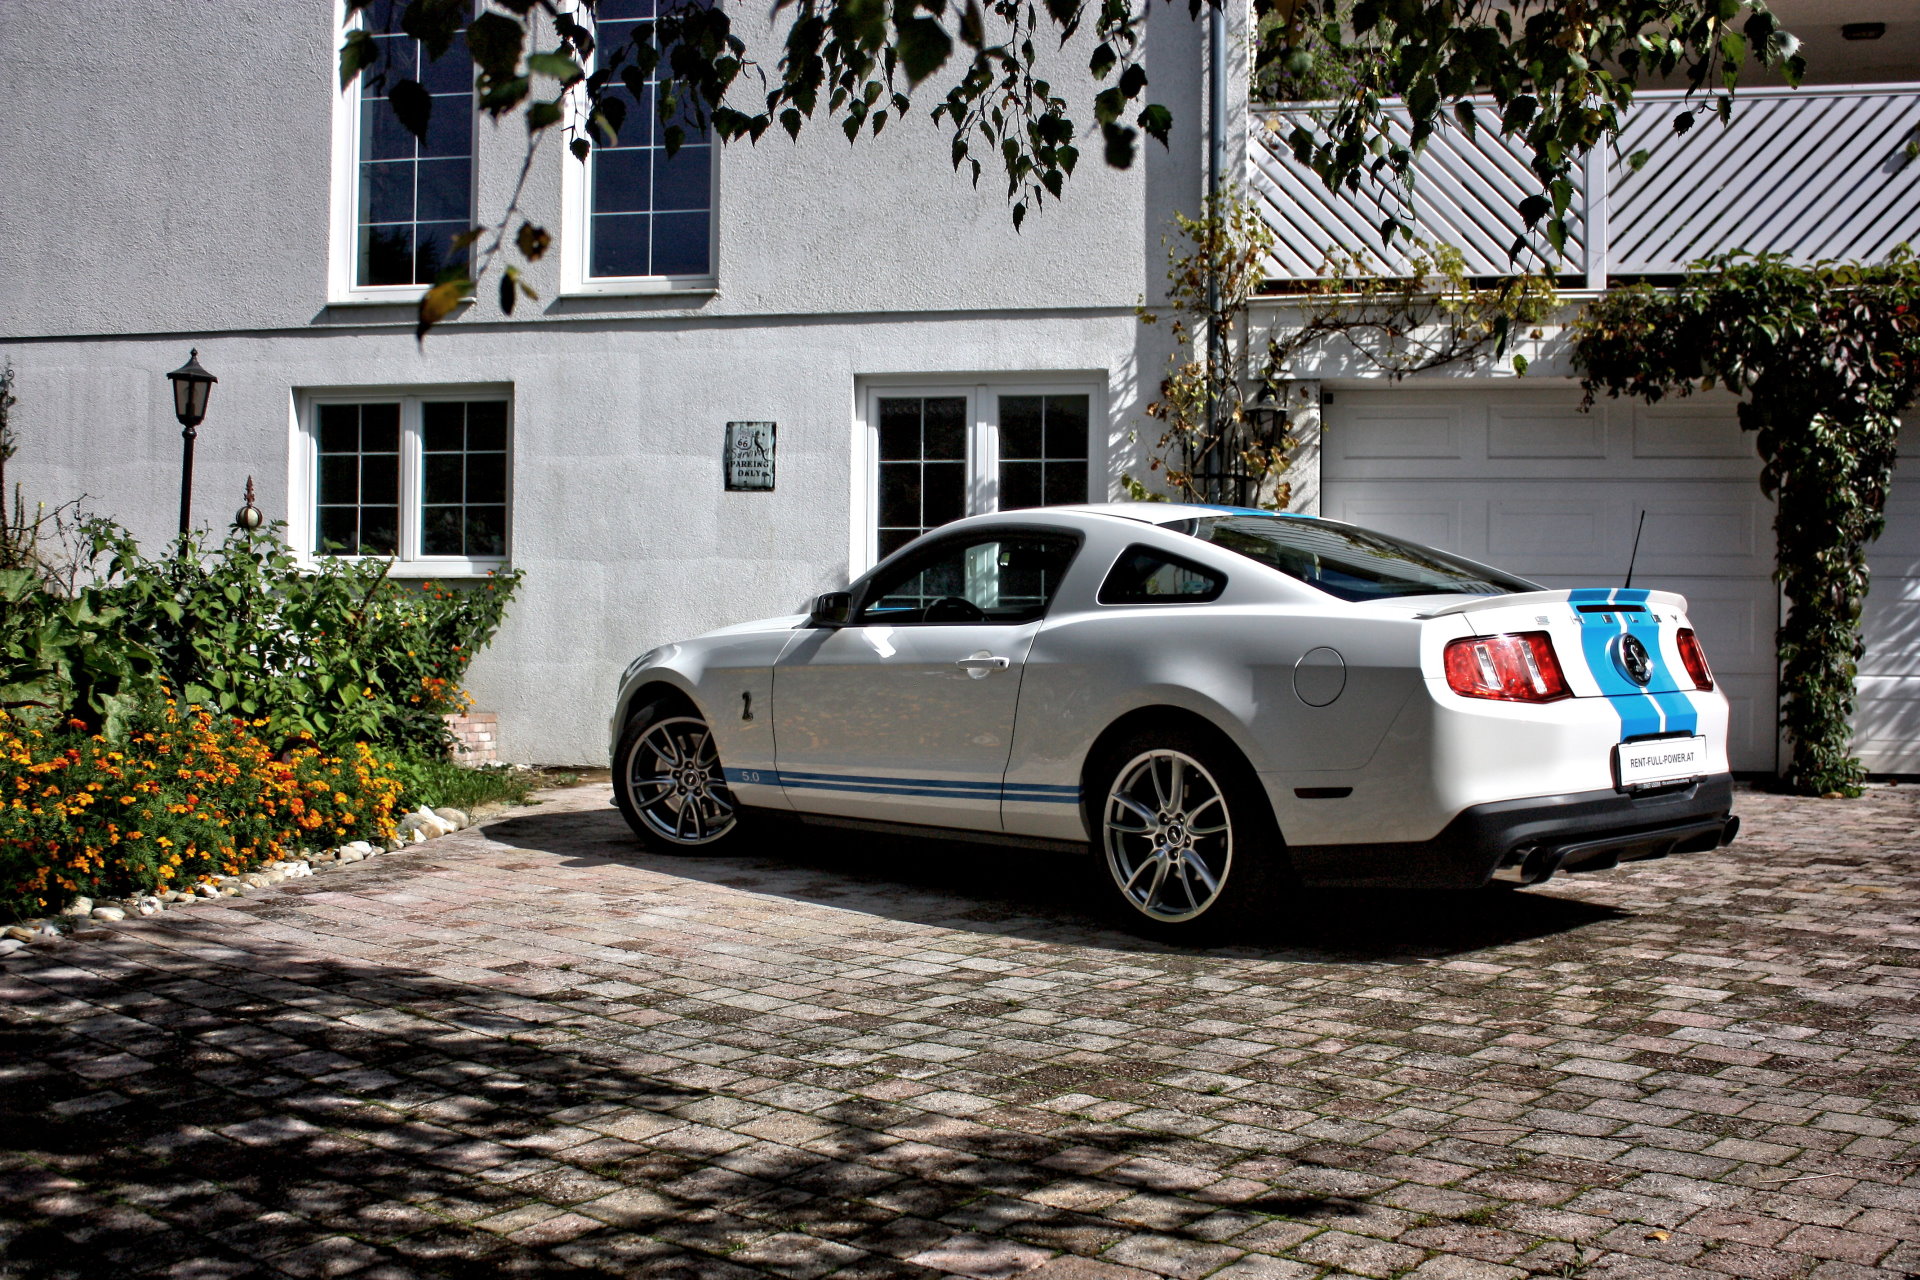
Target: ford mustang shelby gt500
[[1217, 700]]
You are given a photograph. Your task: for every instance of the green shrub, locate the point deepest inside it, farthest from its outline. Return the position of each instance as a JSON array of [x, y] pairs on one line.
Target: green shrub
[[336, 652]]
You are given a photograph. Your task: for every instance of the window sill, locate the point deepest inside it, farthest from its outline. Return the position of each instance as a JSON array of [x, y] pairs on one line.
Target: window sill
[[418, 570], [408, 297], [638, 287]]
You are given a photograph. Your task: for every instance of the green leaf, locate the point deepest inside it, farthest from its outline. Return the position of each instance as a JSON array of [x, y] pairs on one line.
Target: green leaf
[[357, 52], [1158, 122], [924, 47], [496, 41], [543, 115], [440, 301], [556, 65], [532, 242]]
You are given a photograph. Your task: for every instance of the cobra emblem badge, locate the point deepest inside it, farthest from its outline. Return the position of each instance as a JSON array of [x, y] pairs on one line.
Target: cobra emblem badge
[[1634, 660]]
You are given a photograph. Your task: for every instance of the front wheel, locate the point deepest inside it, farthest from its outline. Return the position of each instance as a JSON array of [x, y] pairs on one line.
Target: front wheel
[[1188, 844], [670, 786]]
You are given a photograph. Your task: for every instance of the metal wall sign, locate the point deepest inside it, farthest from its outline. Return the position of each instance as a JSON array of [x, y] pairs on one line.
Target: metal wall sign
[[749, 455]]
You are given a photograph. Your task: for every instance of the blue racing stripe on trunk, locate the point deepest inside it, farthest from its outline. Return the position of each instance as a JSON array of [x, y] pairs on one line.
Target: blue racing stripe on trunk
[[1640, 713]]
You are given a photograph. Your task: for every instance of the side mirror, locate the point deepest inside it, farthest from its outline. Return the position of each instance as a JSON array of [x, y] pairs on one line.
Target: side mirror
[[834, 609]]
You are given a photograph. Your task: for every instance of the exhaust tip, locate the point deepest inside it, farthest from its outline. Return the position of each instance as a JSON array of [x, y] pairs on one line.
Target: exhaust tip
[[1728, 832]]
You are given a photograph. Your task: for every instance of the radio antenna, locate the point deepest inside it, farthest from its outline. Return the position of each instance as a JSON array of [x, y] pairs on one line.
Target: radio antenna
[[1636, 547]]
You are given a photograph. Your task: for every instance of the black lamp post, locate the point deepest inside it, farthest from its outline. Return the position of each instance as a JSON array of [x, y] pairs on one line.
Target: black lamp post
[[191, 384]]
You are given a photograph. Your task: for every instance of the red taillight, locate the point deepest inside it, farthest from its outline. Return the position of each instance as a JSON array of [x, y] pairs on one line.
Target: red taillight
[[1695, 658], [1515, 668]]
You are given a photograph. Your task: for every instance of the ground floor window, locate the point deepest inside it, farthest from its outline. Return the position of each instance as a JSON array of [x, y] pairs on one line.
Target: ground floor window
[[420, 478], [937, 454]]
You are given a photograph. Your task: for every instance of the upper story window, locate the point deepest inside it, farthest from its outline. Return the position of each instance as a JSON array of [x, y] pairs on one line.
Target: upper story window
[[645, 216], [940, 454], [421, 478], [403, 200]]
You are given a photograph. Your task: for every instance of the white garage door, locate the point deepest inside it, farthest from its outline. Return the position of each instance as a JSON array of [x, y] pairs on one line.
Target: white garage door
[[1525, 481], [1889, 721]]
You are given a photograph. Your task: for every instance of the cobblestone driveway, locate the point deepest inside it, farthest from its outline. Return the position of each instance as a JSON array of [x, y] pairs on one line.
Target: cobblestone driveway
[[532, 1050]]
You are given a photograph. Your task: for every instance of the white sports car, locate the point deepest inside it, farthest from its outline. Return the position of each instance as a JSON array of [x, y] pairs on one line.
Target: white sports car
[[1219, 701]]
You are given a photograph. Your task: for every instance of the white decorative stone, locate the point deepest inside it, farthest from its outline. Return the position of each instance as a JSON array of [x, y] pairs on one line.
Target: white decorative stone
[[359, 846], [45, 933], [426, 824], [351, 855], [17, 932], [10, 945], [150, 906], [455, 818], [109, 913], [78, 907], [206, 890]]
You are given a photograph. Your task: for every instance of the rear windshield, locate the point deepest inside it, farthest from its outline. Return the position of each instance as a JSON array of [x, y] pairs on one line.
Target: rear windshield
[[1354, 564]]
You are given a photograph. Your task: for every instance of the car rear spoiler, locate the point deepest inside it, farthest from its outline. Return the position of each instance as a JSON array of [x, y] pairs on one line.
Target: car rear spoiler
[[1585, 597]]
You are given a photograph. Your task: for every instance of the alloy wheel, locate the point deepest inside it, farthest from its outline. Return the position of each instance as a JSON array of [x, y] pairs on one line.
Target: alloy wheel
[[675, 782], [1167, 834]]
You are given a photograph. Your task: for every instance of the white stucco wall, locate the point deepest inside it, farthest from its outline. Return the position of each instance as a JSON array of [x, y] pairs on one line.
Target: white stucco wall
[[192, 209]]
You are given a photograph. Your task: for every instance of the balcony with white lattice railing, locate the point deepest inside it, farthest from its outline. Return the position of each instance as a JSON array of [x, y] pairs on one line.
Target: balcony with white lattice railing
[[1824, 172]]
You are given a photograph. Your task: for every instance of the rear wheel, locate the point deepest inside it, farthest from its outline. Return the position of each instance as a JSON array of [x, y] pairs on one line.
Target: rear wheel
[[670, 785], [1188, 845]]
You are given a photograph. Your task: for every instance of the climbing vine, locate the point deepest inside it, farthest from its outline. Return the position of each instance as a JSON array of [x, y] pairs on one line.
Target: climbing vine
[[1827, 358], [1213, 272], [1426, 313]]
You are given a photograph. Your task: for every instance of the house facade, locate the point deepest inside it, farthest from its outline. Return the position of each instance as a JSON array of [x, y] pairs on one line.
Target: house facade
[[917, 358]]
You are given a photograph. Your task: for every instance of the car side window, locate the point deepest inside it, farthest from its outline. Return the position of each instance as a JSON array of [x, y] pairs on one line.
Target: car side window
[[1143, 575], [1005, 578]]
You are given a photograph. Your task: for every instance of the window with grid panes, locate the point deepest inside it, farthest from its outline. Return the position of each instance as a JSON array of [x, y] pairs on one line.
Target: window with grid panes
[[929, 471], [357, 498], [411, 197], [1043, 450], [923, 466], [648, 214], [463, 468], [412, 477]]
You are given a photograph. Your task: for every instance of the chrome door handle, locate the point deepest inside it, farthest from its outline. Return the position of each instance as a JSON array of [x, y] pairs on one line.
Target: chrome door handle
[[981, 663]]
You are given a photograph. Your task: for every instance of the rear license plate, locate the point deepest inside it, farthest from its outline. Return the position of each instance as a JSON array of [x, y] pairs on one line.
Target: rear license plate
[[1646, 764]]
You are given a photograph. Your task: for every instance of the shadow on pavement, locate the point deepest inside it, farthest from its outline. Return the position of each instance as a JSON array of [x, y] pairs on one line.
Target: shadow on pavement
[[270, 1113], [1051, 896]]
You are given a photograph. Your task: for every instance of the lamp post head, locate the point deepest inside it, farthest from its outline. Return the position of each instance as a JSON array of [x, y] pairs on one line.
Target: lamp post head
[[191, 383]]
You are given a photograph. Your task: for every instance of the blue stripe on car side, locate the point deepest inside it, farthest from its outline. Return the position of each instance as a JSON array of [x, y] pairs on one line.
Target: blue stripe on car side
[[1042, 793]]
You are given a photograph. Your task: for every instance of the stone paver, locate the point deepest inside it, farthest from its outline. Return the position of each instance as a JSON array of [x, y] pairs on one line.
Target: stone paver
[[532, 1049]]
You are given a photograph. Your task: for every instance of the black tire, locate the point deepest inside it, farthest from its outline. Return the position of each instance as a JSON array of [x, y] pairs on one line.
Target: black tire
[[678, 805], [1215, 825]]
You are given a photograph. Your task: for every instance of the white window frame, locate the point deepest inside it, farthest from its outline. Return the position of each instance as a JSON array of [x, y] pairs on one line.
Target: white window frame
[[343, 260], [304, 475], [983, 442], [576, 216]]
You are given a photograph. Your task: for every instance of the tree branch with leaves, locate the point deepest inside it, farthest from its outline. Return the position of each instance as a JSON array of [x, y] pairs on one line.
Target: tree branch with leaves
[[1555, 76]]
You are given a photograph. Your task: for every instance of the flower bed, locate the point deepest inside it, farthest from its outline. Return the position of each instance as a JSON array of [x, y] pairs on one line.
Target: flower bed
[[188, 798]]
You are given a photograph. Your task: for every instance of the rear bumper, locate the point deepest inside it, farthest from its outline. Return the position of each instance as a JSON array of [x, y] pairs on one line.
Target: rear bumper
[[1526, 841]]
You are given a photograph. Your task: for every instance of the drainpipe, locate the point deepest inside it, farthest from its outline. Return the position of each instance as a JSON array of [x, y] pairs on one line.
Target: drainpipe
[[1216, 165]]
